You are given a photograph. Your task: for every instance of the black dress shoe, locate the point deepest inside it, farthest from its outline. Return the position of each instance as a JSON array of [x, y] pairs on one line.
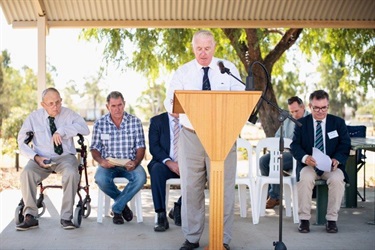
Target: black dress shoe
[[226, 246], [117, 219], [189, 246], [127, 213], [304, 226], [331, 227], [170, 214], [177, 214], [162, 225]]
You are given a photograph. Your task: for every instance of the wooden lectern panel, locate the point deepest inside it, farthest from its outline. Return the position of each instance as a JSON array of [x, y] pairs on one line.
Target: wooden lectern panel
[[217, 116]]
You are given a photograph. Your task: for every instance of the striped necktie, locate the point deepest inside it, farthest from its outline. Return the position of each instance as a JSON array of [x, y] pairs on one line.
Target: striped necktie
[[58, 148], [319, 136], [206, 82], [176, 130]]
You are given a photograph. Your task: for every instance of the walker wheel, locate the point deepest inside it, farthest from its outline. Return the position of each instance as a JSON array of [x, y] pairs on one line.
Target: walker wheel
[[41, 210], [18, 216], [77, 218], [86, 208]]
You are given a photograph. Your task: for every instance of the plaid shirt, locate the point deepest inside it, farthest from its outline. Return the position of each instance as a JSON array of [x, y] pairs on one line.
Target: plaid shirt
[[120, 143]]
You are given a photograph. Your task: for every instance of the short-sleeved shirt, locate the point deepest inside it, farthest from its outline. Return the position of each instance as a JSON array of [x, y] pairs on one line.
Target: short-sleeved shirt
[[119, 143]]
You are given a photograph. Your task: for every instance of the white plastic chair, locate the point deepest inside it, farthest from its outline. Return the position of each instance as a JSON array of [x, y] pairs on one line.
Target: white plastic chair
[[135, 203], [247, 181], [290, 182]]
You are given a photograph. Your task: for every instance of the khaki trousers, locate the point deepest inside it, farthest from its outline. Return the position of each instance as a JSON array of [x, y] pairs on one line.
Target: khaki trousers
[[194, 167], [336, 189], [33, 174]]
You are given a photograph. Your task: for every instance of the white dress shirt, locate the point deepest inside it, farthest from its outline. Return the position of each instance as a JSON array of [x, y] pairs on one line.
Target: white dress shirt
[[68, 124], [190, 76]]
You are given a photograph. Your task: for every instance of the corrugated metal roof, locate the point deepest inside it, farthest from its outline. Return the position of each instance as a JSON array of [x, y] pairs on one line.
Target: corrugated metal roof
[[192, 13]]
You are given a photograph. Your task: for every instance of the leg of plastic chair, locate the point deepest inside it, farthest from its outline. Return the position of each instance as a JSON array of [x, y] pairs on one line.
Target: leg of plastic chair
[[138, 204], [167, 189], [107, 203], [295, 204], [288, 200], [242, 199], [263, 198], [99, 218], [254, 204], [133, 205]]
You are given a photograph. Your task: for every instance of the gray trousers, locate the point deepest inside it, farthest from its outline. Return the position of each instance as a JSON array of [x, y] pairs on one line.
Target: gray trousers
[[336, 190], [194, 166], [33, 174]]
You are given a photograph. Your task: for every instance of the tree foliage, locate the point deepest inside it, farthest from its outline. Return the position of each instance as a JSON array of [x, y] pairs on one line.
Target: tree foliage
[[18, 90], [151, 101], [159, 49], [346, 64]]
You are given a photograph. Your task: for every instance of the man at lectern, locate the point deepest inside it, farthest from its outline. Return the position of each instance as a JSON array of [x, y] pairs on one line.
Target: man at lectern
[[202, 73]]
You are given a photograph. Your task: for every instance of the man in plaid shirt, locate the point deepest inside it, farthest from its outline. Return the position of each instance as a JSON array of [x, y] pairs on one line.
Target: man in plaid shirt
[[119, 136]]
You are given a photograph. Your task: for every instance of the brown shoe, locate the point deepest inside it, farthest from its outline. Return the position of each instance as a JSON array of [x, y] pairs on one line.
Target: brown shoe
[[271, 203]]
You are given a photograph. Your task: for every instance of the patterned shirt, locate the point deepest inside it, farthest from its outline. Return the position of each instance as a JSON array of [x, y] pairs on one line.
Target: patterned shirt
[[119, 143]]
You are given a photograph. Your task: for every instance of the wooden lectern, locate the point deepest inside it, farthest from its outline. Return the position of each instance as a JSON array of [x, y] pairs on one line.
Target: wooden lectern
[[217, 118]]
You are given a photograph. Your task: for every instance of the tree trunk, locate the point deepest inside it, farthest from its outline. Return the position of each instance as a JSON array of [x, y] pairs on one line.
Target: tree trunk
[[251, 52]]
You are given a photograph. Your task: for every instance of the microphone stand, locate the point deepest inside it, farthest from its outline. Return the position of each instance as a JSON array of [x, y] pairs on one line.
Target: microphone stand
[[283, 115], [226, 70]]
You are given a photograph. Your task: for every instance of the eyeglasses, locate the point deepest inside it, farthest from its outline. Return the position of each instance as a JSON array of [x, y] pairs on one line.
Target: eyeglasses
[[51, 104], [317, 109]]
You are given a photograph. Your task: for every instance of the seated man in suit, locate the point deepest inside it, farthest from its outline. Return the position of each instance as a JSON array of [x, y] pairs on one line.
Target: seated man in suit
[[163, 137], [297, 110], [327, 133]]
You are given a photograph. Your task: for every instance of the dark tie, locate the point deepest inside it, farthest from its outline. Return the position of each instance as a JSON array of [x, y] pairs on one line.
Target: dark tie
[[319, 136], [176, 130], [206, 82], [52, 126], [319, 142]]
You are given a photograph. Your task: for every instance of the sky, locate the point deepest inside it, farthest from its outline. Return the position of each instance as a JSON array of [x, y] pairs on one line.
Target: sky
[[74, 59]]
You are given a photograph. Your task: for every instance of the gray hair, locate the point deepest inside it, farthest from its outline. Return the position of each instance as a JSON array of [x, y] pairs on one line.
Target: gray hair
[[115, 95], [203, 33], [46, 91]]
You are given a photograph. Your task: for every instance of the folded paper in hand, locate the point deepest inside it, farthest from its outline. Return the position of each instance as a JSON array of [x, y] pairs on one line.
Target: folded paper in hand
[[323, 161], [118, 162]]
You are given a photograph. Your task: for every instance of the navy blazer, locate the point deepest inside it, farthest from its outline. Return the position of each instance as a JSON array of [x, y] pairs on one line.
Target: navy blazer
[[337, 147], [159, 138]]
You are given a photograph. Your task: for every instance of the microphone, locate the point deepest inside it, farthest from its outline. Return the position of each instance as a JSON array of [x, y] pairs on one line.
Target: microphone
[[223, 69], [250, 81]]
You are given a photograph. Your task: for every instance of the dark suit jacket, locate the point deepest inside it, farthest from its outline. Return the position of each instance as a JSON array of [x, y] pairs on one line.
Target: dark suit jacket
[[159, 138], [338, 147]]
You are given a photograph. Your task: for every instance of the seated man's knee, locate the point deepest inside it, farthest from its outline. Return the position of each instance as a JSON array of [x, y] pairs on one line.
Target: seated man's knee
[[307, 175], [101, 179]]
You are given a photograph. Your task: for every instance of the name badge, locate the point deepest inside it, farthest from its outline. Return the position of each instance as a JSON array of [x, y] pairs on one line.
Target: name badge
[[333, 134], [104, 136]]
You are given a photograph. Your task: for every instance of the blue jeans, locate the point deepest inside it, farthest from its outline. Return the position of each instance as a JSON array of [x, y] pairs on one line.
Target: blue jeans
[[104, 179], [264, 166]]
